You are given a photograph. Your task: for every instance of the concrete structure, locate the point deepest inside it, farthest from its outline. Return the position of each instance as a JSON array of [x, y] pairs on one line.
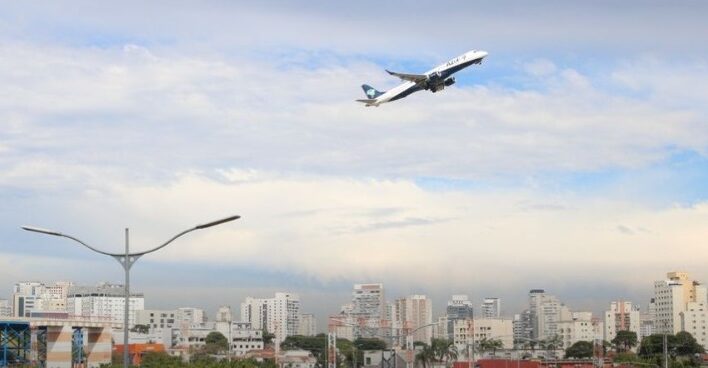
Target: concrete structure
[[190, 316], [383, 359], [411, 313], [5, 308], [34, 296], [459, 308], [368, 315], [491, 308], [156, 318], [672, 297], [342, 325], [104, 300], [308, 325], [223, 314], [522, 327], [646, 320], [296, 359], [483, 328], [279, 315], [579, 328], [694, 320], [545, 311], [622, 316], [54, 340], [369, 309], [242, 336]]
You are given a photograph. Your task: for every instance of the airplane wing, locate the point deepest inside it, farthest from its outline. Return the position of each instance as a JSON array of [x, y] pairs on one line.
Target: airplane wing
[[416, 78]]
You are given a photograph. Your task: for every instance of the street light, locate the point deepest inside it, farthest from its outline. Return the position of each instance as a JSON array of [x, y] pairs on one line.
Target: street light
[[127, 260]]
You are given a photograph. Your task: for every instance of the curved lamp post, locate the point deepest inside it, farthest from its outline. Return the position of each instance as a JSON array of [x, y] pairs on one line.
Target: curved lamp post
[[127, 260]]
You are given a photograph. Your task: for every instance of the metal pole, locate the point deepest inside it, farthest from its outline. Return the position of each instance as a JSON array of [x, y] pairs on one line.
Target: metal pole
[[472, 360], [126, 267], [666, 352]]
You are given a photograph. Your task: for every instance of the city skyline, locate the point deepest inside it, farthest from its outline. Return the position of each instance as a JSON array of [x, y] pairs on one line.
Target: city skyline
[[573, 159], [507, 313]]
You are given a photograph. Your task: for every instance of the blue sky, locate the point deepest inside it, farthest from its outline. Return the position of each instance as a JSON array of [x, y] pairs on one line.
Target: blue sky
[[583, 132]]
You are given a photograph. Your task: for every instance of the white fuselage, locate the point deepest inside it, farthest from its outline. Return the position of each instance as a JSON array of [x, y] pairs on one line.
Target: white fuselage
[[446, 70]]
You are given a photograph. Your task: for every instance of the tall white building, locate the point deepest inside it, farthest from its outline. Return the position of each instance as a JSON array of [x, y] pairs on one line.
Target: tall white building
[[491, 308], [458, 308], [368, 301], [487, 328], [34, 296], [672, 297], [545, 311], [579, 327], [622, 316], [522, 327], [5, 308], [694, 320], [279, 315], [223, 314], [412, 313], [368, 310], [646, 320], [105, 300], [308, 325]]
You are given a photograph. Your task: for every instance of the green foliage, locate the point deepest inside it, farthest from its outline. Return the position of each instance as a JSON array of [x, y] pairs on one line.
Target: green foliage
[[215, 342], [162, 360], [425, 356], [318, 346], [625, 341], [268, 338], [369, 344], [580, 350], [143, 329], [444, 350], [681, 348], [492, 345]]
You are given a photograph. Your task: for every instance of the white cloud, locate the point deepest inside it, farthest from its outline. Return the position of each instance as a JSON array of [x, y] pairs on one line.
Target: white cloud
[[160, 114], [332, 229]]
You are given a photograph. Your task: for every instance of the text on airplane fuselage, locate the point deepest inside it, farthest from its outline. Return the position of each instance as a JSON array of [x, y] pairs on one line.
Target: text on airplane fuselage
[[456, 60]]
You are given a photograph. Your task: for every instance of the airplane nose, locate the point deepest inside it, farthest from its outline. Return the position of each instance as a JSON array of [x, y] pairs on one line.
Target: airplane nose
[[483, 54]]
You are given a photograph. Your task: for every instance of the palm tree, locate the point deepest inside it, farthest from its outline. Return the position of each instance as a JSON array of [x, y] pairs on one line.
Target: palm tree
[[551, 343], [444, 350], [495, 344], [425, 356], [483, 345]]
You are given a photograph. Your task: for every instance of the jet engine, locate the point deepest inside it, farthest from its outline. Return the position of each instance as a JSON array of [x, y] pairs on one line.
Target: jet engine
[[450, 81]]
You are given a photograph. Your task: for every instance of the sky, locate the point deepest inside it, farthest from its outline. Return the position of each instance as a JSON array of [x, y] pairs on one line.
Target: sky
[[573, 159]]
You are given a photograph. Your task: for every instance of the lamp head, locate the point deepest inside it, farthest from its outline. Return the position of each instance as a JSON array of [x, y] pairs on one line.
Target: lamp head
[[40, 230], [217, 222]]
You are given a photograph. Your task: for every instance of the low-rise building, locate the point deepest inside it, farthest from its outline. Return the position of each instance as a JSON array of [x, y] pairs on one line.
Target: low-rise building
[[296, 359]]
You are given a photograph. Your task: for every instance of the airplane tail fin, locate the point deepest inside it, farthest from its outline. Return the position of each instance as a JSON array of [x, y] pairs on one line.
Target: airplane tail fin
[[370, 91]]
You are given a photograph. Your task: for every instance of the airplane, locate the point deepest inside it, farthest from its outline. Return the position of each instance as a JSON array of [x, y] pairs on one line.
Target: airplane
[[434, 80]]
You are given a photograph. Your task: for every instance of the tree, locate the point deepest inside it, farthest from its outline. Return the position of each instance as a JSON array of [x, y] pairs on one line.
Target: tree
[[215, 343], [426, 355], [444, 350], [624, 341], [489, 345], [268, 338], [363, 343], [686, 345], [579, 350], [159, 360], [141, 329], [681, 344], [551, 344]]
